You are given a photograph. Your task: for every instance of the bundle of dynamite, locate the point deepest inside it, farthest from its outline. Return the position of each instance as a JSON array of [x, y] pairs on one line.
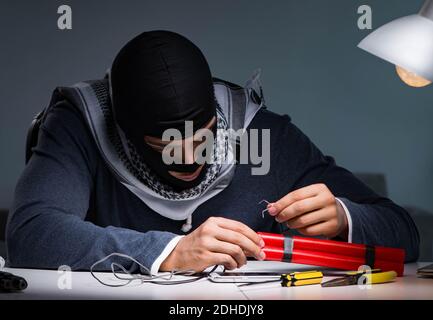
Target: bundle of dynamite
[[331, 254]]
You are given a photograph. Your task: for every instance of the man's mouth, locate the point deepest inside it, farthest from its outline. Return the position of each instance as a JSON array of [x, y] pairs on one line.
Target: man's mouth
[[186, 176]]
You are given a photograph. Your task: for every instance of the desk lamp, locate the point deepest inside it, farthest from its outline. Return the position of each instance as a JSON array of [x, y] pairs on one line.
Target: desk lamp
[[408, 44]]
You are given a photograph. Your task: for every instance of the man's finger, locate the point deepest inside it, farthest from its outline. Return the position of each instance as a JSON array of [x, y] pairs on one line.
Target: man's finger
[[309, 219], [320, 229], [239, 239], [223, 259], [240, 228], [233, 250], [301, 207], [297, 195]]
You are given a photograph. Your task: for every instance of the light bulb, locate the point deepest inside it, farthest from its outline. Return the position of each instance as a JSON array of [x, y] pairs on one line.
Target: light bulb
[[412, 79]]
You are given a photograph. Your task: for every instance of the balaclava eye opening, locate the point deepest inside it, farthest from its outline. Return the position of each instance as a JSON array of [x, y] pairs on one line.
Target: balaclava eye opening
[[159, 80]]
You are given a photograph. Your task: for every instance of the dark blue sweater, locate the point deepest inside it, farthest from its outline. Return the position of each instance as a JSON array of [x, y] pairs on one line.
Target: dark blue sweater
[[70, 210]]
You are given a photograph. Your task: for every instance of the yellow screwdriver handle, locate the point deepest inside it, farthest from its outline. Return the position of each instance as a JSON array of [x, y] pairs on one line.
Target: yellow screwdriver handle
[[381, 277]]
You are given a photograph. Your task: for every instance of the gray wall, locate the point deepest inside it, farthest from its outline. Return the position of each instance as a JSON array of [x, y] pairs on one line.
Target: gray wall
[[350, 103]]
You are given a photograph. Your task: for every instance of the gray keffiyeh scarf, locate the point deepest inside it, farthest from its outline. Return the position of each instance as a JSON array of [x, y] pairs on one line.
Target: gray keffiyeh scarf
[[133, 161]]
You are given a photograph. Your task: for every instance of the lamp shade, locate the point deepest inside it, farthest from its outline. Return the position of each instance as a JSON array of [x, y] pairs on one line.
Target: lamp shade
[[406, 42]]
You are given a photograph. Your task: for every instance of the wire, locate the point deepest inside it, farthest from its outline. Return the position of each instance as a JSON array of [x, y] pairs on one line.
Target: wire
[[258, 282], [162, 279], [266, 210]]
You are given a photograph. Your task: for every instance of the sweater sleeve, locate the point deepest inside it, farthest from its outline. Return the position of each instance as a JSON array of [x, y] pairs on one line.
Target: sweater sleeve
[[375, 220], [47, 227]]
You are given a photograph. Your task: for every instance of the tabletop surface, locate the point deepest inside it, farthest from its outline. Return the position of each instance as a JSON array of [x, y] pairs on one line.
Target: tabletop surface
[[44, 284]]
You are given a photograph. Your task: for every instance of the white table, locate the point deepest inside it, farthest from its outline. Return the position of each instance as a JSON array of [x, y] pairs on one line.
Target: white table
[[43, 284]]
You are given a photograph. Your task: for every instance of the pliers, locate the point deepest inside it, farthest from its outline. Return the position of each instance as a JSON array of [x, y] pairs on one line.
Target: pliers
[[353, 278]]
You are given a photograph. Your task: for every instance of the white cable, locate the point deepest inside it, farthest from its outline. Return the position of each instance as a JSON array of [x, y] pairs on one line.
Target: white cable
[[125, 275]]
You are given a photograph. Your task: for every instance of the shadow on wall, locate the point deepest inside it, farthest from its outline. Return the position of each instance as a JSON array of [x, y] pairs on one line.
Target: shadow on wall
[[423, 219], [3, 220], [424, 222]]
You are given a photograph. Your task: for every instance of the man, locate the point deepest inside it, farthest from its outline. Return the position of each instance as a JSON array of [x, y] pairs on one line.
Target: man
[[97, 182]]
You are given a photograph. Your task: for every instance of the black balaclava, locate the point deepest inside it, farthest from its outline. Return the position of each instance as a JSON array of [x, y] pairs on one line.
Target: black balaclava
[[159, 80]]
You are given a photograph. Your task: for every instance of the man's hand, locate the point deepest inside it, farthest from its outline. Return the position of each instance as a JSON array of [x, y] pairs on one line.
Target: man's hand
[[313, 211], [218, 241]]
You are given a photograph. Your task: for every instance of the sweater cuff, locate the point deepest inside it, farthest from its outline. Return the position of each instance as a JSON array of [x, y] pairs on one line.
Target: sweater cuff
[[349, 220], [164, 254]]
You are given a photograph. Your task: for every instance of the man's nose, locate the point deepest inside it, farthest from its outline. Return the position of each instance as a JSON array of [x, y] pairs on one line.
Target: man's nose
[[188, 152], [189, 156]]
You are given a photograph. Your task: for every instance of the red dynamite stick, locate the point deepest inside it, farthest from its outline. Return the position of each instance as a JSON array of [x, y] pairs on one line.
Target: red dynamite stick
[[348, 249], [272, 240], [329, 260], [336, 247]]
